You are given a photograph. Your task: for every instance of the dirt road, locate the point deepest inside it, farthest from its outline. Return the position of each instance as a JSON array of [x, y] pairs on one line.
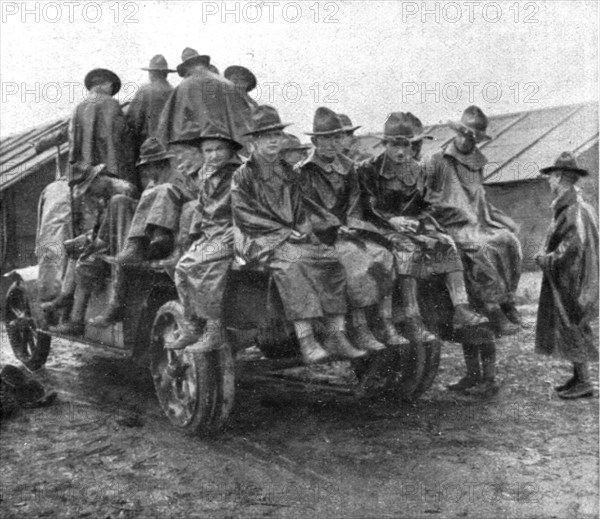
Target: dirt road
[[106, 451]]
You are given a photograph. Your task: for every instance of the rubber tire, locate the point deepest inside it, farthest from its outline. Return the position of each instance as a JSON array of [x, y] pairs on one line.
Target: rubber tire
[[430, 371], [29, 345], [212, 372]]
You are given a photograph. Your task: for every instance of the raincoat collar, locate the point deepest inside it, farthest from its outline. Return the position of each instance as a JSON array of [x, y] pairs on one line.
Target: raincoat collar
[[475, 161], [205, 171], [568, 198], [340, 165]]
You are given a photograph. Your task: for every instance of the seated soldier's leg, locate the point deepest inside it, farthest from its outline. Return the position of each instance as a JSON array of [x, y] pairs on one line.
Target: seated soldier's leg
[[117, 305], [200, 278], [408, 315], [312, 285], [488, 385], [369, 271], [115, 226], [67, 289], [512, 262], [473, 375], [156, 221], [312, 352]]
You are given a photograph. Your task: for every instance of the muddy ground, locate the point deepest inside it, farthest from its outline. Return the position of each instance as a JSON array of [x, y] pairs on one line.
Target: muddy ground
[[104, 450]]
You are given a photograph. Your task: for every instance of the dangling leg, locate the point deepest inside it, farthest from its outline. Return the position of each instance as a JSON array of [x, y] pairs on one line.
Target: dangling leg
[[336, 342], [75, 325], [488, 385], [386, 331], [409, 316], [311, 350], [464, 316], [361, 336]]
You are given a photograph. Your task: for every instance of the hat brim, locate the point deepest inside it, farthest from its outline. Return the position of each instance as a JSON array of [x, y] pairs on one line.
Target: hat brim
[[157, 157], [461, 128], [183, 66], [108, 75], [416, 138], [197, 141], [551, 169], [271, 128], [322, 134], [167, 70], [303, 147], [81, 187], [351, 128]]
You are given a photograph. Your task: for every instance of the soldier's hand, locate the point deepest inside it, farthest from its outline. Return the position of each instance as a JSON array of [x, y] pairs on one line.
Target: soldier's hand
[[403, 223]]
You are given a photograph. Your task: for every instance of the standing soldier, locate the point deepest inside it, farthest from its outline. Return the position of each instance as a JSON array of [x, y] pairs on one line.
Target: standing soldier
[[98, 131], [348, 142], [393, 190], [269, 212], [485, 235], [147, 104], [569, 297], [201, 98], [244, 80], [329, 179]]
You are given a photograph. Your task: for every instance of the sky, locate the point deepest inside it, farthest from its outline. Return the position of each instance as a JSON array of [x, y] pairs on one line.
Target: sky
[[362, 58]]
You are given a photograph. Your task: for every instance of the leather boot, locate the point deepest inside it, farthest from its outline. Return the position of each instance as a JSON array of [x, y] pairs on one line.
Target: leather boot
[[511, 312], [569, 383], [161, 243], [502, 326], [414, 330], [133, 252], [363, 339], [473, 375], [116, 306], [75, 326], [465, 317], [311, 350], [487, 386], [387, 334], [336, 343], [189, 334], [213, 337]]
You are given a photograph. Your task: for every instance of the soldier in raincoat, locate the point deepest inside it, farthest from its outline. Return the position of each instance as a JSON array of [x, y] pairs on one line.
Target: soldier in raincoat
[[485, 235], [201, 97], [348, 142], [201, 273], [330, 180], [569, 296], [275, 233], [148, 102], [98, 130], [393, 186]]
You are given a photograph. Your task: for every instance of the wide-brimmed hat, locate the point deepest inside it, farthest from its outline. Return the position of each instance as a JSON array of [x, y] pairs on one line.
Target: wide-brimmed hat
[[190, 57], [265, 119], [473, 120], [152, 150], [214, 69], [245, 73], [209, 130], [347, 123], [292, 143], [326, 122], [100, 75], [158, 63], [403, 125], [565, 162]]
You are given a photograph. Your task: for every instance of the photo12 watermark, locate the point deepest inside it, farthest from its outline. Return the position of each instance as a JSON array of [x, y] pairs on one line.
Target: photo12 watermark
[[271, 12], [470, 12], [69, 12]]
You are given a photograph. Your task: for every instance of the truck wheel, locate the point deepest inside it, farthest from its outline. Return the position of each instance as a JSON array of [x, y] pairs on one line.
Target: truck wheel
[[432, 363], [195, 390], [29, 345]]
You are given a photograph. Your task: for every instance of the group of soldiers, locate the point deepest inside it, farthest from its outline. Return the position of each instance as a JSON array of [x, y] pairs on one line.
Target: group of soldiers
[[338, 232]]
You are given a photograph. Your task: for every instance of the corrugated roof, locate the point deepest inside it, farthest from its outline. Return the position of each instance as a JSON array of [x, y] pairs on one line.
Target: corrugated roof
[[18, 159], [523, 142]]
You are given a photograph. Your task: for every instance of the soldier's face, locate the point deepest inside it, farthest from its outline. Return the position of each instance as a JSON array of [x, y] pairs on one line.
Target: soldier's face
[[328, 146], [215, 152], [269, 144], [464, 142], [399, 151], [346, 139]]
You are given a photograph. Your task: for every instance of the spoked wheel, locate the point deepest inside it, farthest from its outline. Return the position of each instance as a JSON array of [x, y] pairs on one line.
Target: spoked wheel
[[29, 345], [195, 390]]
